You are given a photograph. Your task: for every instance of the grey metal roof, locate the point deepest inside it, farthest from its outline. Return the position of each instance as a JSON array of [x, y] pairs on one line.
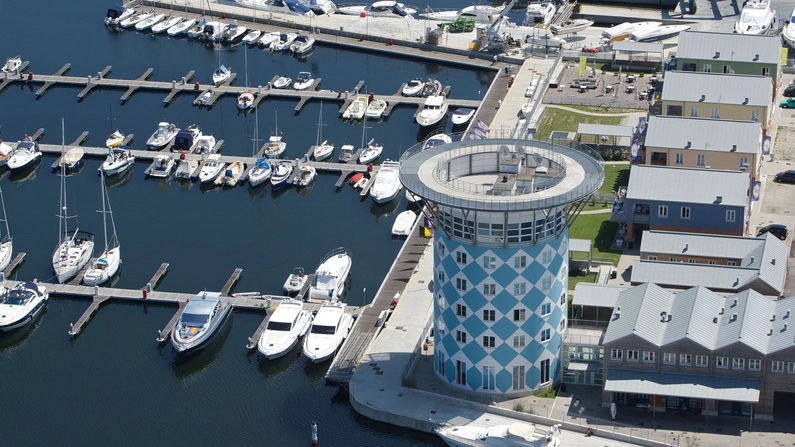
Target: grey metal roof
[[702, 186], [718, 88], [597, 295], [580, 245], [605, 129], [630, 46], [701, 244], [708, 318], [696, 134], [730, 46], [681, 274], [699, 386]]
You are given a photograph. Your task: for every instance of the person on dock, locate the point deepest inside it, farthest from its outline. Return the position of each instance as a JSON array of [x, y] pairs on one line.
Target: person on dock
[[494, 60]]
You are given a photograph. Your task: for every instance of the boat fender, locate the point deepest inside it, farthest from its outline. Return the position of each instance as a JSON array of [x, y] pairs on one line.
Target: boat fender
[[370, 167], [30, 76], [196, 86]]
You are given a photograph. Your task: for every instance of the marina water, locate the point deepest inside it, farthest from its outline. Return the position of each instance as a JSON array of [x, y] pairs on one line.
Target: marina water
[[113, 384]]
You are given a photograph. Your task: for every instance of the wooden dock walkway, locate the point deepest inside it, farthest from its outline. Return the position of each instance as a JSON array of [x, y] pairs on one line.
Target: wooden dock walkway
[[163, 334], [13, 264], [95, 303], [231, 282]]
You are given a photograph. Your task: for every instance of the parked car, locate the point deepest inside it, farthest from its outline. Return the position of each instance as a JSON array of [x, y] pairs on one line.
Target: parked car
[[789, 92], [785, 177], [787, 103], [777, 230]]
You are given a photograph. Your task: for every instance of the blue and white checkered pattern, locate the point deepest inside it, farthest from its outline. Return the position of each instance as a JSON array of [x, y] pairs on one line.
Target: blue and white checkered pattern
[[528, 304]]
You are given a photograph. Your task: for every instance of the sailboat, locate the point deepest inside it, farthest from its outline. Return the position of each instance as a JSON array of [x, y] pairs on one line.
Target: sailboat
[[246, 98], [76, 248], [321, 151], [6, 249], [107, 264], [275, 147], [372, 151]]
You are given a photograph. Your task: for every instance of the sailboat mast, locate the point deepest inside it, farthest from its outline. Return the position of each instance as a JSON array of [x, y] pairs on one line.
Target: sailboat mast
[[61, 223], [104, 212], [7, 235]]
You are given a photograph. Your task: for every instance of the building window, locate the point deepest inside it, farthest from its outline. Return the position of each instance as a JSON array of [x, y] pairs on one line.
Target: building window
[[488, 341], [701, 160], [777, 366], [680, 159], [518, 377], [685, 359], [731, 263], [743, 162], [691, 261], [460, 310], [488, 314], [707, 68], [671, 259], [441, 276], [562, 299], [461, 336], [520, 288], [727, 69], [730, 215], [652, 257], [488, 377], [546, 257], [440, 365], [685, 212], [489, 289], [489, 262], [755, 115], [790, 367], [765, 71], [461, 284], [714, 113], [694, 111], [518, 314], [546, 282], [545, 335], [440, 247], [738, 363], [632, 355], [648, 356], [460, 372], [754, 365], [669, 358], [520, 262], [722, 362], [460, 257], [518, 341], [545, 371], [702, 361], [711, 262], [616, 354], [546, 308], [442, 301], [662, 211]]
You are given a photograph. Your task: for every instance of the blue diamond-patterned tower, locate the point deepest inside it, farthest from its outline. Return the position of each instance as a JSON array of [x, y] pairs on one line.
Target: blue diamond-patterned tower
[[501, 210]]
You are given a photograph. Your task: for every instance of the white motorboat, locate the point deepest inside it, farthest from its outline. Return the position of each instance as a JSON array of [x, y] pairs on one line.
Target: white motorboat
[[296, 281], [196, 31], [329, 329], [117, 161], [252, 37], [286, 326], [204, 98], [376, 108], [788, 32], [437, 140], [281, 6], [163, 166], [513, 435], [150, 21], [756, 17], [403, 223], [623, 30], [245, 100], [283, 81], [260, 172], [268, 38], [482, 13], [205, 144], [73, 158], [25, 155], [281, 172], [211, 168], [330, 276], [306, 174], [302, 44], [212, 31], [115, 139], [346, 153], [571, 26], [659, 33], [356, 109], [539, 13], [371, 152], [544, 40], [433, 111], [6, 242], [135, 18], [387, 184], [166, 24], [21, 305], [233, 33], [413, 87], [75, 248], [432, 87], [284, 42], [181, 27], [462, 115], [203, 316], [107, 263], [165, 133], [186, 167], [321, 7], [231, 175], [186, 139], [383, 8], [221, 75], [275, 147], [117, 14], [5, 152], [303, 81]]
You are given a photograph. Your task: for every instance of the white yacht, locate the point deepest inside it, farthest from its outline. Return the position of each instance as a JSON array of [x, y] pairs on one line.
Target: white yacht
[[197, 30], [756, 17], [107, 263], [211, 168], [233, 33], [387, 184], [433, 111], [283, 81], [330, 276], [296, 281], [165, 133], [356, 109], [376, 108], [288, 323], [652, 34], [260, 172], [5, 152], [202, 317], [382, 8], [303, 81], [327, 332], [413, 87], [403, 223], [25, 155], [302, 44], [212, 31], [623, 30], [245, 100], [571, 26], [117, 161], [462, 115], [281, 173], [21, 305], [268, 38], [205, 144], [163, 166], [519, 434], [282, 6], [539, 13], [788, 33]]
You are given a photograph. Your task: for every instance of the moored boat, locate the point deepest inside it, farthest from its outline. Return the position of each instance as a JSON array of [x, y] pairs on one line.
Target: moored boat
[[356, 108], [231, 174], [116, 14], [164, 134], [623, 30], [117, 161], [283, 81], [462, 115], [182, 27], [166, 24], [376, 108], [788, 32], [221, 75], [303, 81], [330, 276], [260, 172], [135, 18], [382, 8], [302, 44], [107, 263], [25, 155], [233, 33], [186, 167], [245, 100], [114, 139], [20, 305], [296, 281], [5, 152], [437, 140], [516, 434], [346, 153], [371, 152], [281, 172], [283, 42], [328, 330], [211, 168], [413, 87], [306, 174], [162, 166], [286, 326], [6, 241], [202, 317], [186, 139], [150, 21], [539, 13], [387, 184], [252, 37], [403, 223], [267, 39], [205, 144], [756, 17], [434, 109], [571, 26]]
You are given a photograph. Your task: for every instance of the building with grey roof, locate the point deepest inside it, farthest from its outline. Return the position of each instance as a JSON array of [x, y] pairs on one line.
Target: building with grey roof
[[721, 263]]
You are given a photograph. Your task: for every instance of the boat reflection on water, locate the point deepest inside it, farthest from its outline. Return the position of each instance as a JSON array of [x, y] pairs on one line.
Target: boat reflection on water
[[19, 336], [120, 179], [192, 362]]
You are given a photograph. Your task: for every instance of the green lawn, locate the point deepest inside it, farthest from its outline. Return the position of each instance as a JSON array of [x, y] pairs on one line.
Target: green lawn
[[600, 231], [573, 280], [566, 121]]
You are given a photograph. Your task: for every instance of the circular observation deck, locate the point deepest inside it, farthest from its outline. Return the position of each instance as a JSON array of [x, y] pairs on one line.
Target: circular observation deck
[[502, 175]]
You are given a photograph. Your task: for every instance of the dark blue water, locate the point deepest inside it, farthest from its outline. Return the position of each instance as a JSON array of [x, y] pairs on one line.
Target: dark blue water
[[114, 384]]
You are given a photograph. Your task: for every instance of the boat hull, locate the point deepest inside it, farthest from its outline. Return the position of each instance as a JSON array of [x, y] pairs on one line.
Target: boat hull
[[26, 319], [202, 340], [102, 272]]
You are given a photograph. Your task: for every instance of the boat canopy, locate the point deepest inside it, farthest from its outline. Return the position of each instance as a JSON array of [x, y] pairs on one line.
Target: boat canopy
[[115, 12]]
